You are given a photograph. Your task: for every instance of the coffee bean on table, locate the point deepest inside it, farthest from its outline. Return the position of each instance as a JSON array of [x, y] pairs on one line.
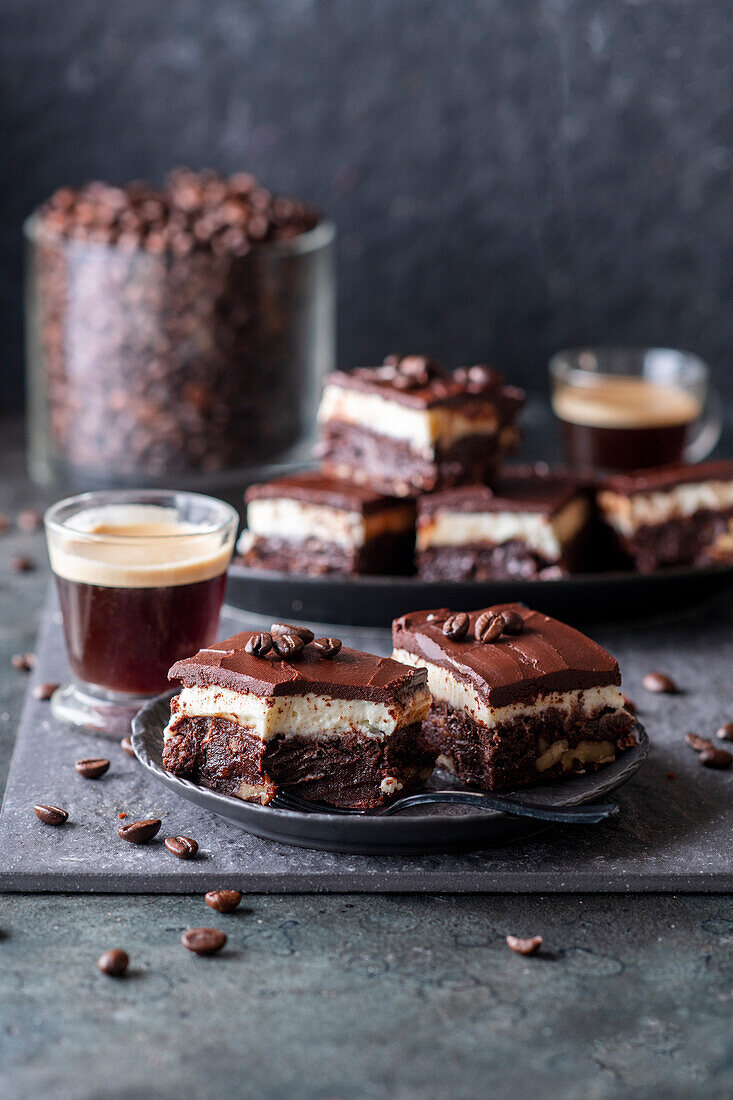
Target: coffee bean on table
[[456, 626], [659, 683], [725, 733], [92, 767], [528, 946], [203, 941], [4, 522], [716, 758], [287, 628], [224, 901], [43, 692], [513, 622], [489, 628], [21, 564], [24, 662], [114, 962], [29, 520], [698, 743], [126, 746], [181, 846], [140, 832], [51, 815]]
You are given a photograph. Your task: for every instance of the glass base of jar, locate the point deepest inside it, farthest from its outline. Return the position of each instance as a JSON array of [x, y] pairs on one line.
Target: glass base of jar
[[95, 710]]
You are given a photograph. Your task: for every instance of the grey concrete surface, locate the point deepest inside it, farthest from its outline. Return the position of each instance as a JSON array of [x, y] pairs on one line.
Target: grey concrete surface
[[351, 996]]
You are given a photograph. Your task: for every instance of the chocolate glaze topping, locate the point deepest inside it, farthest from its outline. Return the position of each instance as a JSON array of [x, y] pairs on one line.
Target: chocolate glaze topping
[[659, 478], [444, 388], [351, 675], [522, 489], [313, 487], [546, 656]]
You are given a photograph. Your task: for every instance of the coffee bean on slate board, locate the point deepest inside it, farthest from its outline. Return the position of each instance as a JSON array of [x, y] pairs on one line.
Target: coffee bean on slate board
[[224, 901], [513, 622], [30, 520], [126, 746], [92, 767], [44, 691], [21, 564], [203, 941], [114, 962], [716, 758], [24, 662], [725, 733], [4, 522], [528, 946], [182, 846], [455, 626], [659, 683], [696, 742], [140, 832], [50, 815]]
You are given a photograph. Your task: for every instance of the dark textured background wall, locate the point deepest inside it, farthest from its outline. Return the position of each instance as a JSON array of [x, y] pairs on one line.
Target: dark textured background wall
[[508, 176]]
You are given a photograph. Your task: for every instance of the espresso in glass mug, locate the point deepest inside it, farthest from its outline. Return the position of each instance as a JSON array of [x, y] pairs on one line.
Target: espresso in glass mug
[[630, 408]]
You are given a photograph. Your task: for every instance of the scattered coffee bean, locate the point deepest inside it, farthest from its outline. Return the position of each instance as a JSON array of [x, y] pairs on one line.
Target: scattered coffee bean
[[92, 767], [513, 622], [126, 746], [21, 564], [629, 704], [224, 901], [44, 691], [30, 520], [4, 522], [488, 627], [203, 941], [698, 743], [456, 626], [328, 647], [259, 644], [288, 646], [716, 758], [659, 683], [114, 962], [529, 946], [725, 733], [140, 832], [51, 815], [287, 628], [182, 846], [24, 662]]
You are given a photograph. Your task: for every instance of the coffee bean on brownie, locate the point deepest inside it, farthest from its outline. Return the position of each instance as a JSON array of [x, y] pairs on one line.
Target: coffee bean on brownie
[[181, 846], [44, 691], [698, 743], [659, 683], [259, 644], [288, 646], [140, 832], [716, 758], [50, 815], [114, 962], [725, 733], [513, 622], [21, 564], [126, 746], [528, 946], [24, 662], [488, 627], [456, 626], [92, 767], [224, 901], [203, 941], [287, 628], [328, 647]]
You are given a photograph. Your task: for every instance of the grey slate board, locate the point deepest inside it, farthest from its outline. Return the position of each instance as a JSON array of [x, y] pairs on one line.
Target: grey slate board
[[673, 834]]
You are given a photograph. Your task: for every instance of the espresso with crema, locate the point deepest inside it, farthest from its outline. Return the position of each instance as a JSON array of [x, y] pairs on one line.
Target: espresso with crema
[[624, 423], [139, 590]]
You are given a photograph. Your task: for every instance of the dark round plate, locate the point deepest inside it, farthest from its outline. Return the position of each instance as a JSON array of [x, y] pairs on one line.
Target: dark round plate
[[435, 828], [376, 601]]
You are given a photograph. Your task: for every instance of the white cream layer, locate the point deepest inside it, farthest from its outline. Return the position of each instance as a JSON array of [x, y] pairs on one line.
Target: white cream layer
[[296, 520], [314, 716], [546, 535], [627, 513], [445, 687], [421, 428]]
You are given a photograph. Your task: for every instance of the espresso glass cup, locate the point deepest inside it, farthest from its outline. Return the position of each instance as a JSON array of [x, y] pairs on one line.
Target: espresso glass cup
[[631, 408], [140, 577]]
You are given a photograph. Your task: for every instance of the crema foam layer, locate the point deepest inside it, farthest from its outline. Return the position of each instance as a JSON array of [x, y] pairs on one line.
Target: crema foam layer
[[136, 546], [625, 402]]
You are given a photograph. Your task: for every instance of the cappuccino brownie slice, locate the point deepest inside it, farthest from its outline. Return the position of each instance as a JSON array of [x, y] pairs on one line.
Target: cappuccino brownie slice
[[517, 697], [261, 711], [531, 525], [671, 515], [312, 523], [410, 427]]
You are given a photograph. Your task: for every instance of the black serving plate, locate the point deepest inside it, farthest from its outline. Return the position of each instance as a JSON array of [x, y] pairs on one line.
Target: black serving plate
[[376, 601], [433, 828]]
